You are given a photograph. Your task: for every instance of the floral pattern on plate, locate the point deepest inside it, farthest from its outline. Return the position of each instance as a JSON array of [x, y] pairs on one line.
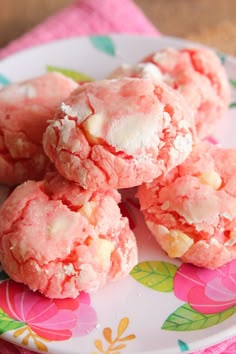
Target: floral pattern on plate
[[114, 343], [193, 296], [210, 295], [33, 317]]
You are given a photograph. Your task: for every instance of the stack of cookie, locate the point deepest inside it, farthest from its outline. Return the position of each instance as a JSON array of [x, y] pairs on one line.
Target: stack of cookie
[[71, 147]]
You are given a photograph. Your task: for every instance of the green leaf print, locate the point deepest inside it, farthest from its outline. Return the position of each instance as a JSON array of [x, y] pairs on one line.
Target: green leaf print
[[155, 275], [232, 105], [233, 83], [222, 57], [4, 80], [104, 44], [7, 323], [74, 75], [187, 319], [183, 346]]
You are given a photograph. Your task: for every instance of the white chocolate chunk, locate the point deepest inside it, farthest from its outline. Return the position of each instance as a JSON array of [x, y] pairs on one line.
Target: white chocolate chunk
[[175, 242], [104, 248], [88, 209], [165, 205], [60, 226], [212, 178], [94, 127]]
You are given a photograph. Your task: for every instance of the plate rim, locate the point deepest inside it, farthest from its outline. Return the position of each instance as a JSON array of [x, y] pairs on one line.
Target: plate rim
[[212, 339], [117, 36]]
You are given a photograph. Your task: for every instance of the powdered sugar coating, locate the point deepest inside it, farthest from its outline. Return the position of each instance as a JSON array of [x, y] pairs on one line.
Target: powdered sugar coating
[[119, 133], [25, 109], [142, 70], [196, 73], [192, 211], [199, 76], [60, 239]]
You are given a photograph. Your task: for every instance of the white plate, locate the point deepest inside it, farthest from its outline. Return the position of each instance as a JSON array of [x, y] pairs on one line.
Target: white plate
[[140, 314]]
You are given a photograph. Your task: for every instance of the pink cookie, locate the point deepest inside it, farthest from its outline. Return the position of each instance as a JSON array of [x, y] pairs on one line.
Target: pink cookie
[[196, 73], [25, 109], [119, 133], [192, 211], [60, 239]]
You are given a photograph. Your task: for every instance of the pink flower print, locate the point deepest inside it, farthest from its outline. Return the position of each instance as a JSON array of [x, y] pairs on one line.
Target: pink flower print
[[56, 320], [231, 349], [207, 291]]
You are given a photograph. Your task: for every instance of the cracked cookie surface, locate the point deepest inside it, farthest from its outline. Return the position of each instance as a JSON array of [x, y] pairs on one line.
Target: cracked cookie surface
[[192, 211], [60, 239], [196, 73], [25, 109], [119, 133]]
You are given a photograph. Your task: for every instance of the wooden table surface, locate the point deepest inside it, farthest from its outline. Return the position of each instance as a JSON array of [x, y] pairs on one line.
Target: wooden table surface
[[212, 22]]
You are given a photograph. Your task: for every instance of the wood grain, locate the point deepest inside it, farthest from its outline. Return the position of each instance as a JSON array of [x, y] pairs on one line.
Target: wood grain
[[19, 16], [181, 17], [211, 22]]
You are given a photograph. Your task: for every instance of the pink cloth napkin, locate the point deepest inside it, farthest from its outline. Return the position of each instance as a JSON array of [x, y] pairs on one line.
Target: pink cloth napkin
[[86, 17]]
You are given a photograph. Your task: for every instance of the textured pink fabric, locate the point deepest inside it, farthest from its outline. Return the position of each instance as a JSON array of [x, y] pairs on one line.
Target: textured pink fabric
[[86, 17]]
